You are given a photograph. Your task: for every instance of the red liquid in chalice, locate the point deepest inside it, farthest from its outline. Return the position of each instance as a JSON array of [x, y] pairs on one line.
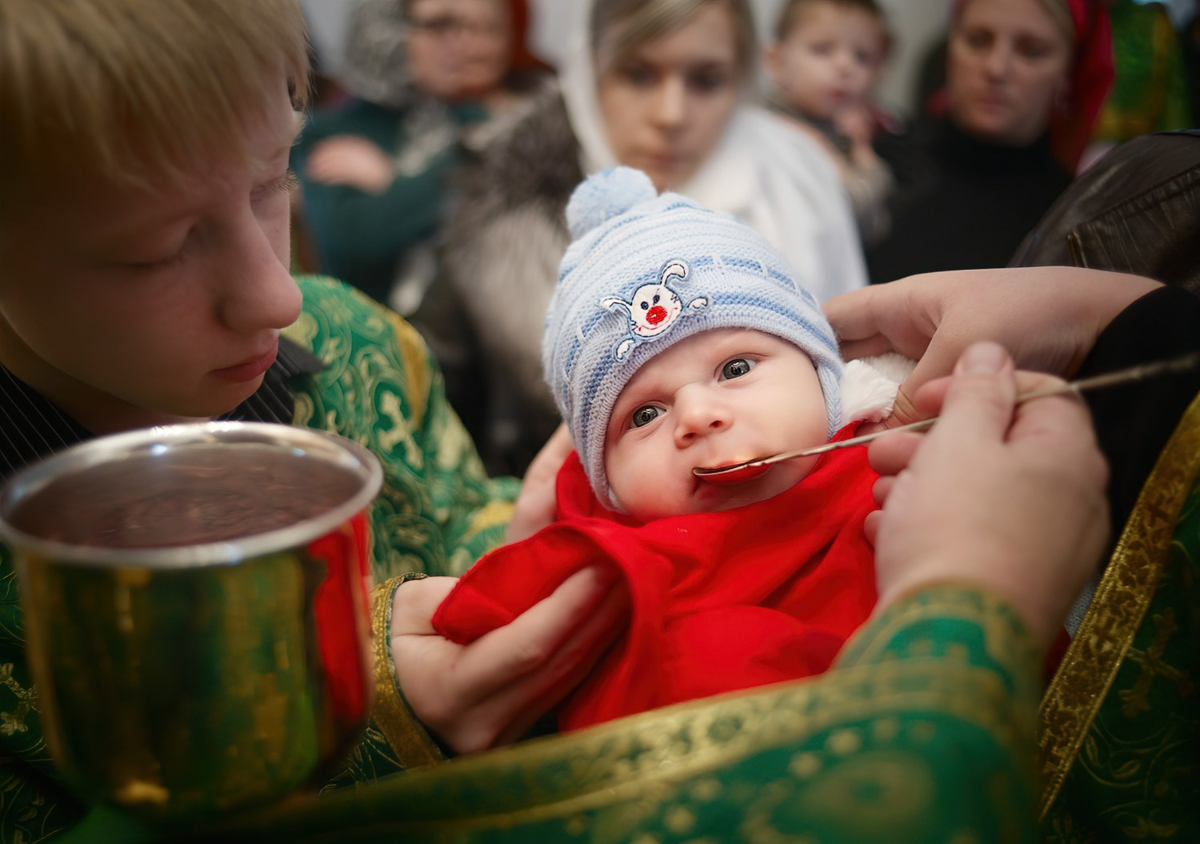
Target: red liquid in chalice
[[194, 496]]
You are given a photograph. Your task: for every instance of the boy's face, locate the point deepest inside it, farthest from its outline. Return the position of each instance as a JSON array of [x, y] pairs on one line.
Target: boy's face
[[829, 60], [133, 306], [718, 397]]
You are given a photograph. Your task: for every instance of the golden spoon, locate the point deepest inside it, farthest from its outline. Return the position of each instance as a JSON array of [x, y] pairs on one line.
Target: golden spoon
[[738, 472]]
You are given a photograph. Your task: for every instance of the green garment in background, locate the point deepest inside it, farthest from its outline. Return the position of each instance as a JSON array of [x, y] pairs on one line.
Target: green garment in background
[[437, 511], [1150, 92]]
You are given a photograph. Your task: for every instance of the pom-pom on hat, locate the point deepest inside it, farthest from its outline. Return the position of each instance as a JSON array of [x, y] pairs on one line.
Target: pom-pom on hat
[[646, 271]]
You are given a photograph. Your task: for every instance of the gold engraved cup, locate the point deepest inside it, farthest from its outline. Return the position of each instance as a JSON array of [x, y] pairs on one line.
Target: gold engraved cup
[[195, 608]]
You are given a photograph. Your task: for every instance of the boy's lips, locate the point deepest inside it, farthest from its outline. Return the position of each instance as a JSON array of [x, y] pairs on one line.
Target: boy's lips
[[249, 369]]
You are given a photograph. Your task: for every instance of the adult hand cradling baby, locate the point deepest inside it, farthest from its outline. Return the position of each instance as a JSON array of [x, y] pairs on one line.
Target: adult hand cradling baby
[[1047, 318]]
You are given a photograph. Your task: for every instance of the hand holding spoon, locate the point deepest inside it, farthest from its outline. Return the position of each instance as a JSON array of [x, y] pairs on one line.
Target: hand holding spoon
[[736, 473]]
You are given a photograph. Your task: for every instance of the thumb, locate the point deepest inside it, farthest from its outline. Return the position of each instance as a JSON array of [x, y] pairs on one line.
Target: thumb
[[979, 400]]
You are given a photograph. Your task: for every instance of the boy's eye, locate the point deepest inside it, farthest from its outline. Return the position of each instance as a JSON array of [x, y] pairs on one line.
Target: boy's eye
[[286, 183], [736, 368], [645, 415], [156, 264], [159, 262]]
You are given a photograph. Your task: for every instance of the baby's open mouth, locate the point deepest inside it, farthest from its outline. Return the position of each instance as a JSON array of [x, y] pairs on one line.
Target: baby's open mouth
[[737, 476]]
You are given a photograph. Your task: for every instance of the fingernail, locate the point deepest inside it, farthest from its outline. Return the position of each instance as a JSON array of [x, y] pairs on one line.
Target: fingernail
[[981, 359]]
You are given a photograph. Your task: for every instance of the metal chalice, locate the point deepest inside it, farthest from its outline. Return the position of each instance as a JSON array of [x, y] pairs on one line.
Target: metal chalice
[[195, 607]]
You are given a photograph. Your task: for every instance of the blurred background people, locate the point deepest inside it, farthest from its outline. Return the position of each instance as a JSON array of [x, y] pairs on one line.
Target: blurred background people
[[1190, 36], [1025, 80], [372, 169], [665, 86], [1150, 89], [824, 64]]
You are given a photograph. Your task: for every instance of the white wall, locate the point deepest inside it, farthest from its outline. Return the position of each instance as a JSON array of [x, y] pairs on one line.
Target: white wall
[[327, 20]]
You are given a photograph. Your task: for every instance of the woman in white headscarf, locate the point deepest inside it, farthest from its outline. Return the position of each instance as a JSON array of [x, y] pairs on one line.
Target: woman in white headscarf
[[662, 85]]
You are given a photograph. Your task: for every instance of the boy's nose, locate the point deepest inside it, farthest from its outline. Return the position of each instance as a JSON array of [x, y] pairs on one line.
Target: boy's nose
[[258, 291]]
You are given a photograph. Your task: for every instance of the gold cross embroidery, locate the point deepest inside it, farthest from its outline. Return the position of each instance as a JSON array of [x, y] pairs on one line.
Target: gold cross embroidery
[[1136, 698]]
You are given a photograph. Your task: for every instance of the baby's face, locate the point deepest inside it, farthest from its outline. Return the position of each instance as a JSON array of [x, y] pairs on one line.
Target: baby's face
[[829, 60], [718, 397]]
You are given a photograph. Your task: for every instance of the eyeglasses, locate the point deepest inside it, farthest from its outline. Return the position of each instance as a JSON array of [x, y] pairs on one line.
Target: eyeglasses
[[442, 26]]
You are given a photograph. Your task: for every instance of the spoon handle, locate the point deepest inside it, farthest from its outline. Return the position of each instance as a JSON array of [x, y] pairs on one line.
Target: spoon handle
[[1109, 379]]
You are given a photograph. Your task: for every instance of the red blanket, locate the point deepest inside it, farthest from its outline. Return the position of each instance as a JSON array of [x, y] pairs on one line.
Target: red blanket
[[719, 601]]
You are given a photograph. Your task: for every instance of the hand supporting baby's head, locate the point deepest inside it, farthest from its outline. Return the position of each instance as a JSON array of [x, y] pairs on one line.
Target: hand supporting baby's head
[[648, 272]]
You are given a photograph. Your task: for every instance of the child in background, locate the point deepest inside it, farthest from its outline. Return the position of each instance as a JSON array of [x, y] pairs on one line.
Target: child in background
[[824, 64], [677, 338]]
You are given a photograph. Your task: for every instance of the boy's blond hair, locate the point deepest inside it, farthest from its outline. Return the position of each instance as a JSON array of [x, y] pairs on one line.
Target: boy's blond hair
[[130, 89]]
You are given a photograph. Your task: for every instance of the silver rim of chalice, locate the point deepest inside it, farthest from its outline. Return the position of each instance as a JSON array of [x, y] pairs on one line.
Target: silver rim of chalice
[[154, 442]]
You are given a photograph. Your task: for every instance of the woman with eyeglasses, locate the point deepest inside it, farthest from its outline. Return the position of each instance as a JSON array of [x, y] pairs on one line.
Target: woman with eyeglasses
[[373, 170]]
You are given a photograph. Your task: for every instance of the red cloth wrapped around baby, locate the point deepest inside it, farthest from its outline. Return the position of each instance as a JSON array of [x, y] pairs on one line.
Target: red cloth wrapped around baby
[[718, 601]]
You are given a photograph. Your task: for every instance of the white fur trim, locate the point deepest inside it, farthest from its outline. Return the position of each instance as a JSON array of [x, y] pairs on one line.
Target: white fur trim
[[869, 386]]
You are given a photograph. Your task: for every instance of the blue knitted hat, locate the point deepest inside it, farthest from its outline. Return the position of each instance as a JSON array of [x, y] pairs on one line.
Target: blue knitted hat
[[645, 271]]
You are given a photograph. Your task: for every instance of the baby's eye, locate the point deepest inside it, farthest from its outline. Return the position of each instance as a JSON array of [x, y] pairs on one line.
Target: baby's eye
[[645, 415], [736, 368]]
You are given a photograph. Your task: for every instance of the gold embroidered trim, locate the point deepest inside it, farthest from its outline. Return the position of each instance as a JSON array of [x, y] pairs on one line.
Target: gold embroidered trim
[[644, 757], [1117, 609], [407, 737], [1005, 636]]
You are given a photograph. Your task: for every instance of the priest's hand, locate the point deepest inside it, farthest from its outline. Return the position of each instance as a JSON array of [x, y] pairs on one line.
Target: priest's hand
[[1007, 499]]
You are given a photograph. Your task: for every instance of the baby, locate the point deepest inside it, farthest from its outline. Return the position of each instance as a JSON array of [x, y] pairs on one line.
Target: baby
[[824, 64], [676, 339]]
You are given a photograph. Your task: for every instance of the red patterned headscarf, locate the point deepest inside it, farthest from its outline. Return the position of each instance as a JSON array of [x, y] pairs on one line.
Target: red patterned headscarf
[[1090, 80], [1091, 77]]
